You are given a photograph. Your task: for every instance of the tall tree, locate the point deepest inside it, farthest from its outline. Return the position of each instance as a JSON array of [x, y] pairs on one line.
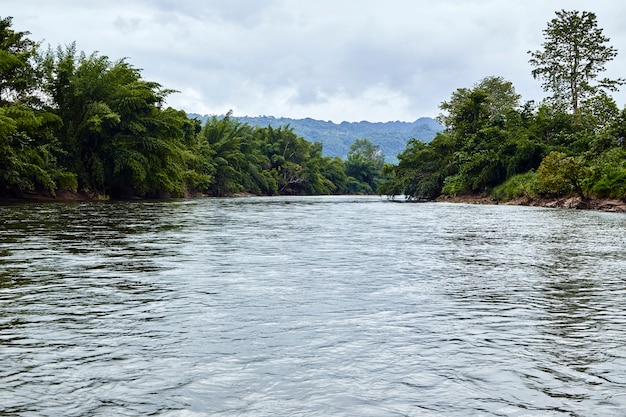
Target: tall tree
[[295, 164], [236, 157], [574, 53], [18, 72], [115, 133], [365, 163], [470, 108], [27, 162]]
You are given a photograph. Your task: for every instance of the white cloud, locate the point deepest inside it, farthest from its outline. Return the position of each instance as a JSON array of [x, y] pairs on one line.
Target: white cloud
[[328, 59]]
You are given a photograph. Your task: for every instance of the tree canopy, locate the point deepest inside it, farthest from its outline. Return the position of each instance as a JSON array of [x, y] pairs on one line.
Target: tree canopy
[[570, 144], [75, 122], [364, 165], [85, 123], [574, 54]]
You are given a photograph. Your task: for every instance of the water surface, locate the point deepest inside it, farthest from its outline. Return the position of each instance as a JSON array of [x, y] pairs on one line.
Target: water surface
[[311, 306]]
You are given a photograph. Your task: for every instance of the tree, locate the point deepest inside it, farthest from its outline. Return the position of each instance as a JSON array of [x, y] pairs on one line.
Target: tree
[[72, 121], [364, 163], [470, 108], [561, 174], [333, 169], [233, 146], [27, 161], [421, 170], [115, 134], [574, 54], [18, 72], [295, 164], [608, 174], [484, 123]]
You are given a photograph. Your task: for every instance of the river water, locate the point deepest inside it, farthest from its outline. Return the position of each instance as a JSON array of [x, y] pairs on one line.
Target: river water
[[316, 306]]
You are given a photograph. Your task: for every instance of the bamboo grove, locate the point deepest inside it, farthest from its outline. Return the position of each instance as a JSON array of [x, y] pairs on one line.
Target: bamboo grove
[[72, 122], [84, 123]]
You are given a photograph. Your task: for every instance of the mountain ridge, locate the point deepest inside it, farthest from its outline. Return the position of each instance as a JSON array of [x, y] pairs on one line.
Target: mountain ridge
[[336, 138]]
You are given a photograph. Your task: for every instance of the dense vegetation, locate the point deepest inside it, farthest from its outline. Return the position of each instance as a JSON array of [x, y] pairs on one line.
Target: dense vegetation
[[572, 143], [391, 137], [83, 123]]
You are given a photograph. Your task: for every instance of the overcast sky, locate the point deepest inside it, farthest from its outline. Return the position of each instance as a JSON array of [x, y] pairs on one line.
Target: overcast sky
[[353, 60]]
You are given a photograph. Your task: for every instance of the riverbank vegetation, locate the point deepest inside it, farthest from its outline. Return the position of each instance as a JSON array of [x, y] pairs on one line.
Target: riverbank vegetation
[[91, 126], [571, 144], [78, 124]]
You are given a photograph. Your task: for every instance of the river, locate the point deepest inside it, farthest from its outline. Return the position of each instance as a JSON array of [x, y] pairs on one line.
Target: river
[[310, 306]]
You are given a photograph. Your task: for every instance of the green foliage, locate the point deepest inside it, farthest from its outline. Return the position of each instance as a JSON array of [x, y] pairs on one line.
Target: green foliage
[[116, 136], [234, 150], [491, 145], [598, 113], [521, 154], [266, 161], [295, 164], [455, 185], [364, 167], [76, 122], [421, 169], [517, 186], [27, 161], [615, 132], [468, 109], [609, 174], [560, 174], [18, 72], [573, 55], [67, 181], [487, 139], [334, 172], [336, 138]]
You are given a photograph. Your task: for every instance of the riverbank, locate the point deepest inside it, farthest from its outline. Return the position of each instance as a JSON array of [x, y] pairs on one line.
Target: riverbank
[[61, 196], [600, 204]]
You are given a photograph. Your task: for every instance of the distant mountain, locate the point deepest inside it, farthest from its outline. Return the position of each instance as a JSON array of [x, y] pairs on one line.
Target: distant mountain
[[391, 137]]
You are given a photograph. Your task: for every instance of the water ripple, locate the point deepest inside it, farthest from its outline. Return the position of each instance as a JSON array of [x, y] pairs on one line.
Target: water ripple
[[310, 307]]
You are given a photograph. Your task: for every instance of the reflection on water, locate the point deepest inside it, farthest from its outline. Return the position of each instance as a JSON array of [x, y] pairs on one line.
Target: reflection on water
[[310, 306]]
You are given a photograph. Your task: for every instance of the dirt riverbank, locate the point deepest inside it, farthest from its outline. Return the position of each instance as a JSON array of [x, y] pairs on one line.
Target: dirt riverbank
[[60, 196], [601, 204]]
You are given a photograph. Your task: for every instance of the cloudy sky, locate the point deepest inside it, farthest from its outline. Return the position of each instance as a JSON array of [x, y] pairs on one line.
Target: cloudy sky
[[376, 60]]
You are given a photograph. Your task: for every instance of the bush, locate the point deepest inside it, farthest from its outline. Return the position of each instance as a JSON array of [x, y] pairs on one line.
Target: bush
[[611, 184], [609, 175], [518, 186], [454, 185], [67, 181], [560, 174]]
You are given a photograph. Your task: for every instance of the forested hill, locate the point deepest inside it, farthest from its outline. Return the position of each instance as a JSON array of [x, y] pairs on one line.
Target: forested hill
[[391, 137]]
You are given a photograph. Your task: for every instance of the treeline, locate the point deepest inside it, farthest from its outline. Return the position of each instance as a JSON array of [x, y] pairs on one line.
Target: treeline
[[572, 143], [84, 123], [391, 137]]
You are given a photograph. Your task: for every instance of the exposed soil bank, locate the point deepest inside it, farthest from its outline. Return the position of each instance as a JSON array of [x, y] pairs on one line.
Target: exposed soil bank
[[601, 204], [60, 197]]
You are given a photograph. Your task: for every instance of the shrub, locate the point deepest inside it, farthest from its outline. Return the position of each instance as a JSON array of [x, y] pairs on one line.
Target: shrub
[[611, 183], [67, 181], [560, 174], [609, 174], [518, 186], [454, 185]]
